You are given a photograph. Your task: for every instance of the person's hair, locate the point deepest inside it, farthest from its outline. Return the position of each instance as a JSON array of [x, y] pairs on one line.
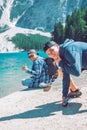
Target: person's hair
[[48, 44], [32, 51]]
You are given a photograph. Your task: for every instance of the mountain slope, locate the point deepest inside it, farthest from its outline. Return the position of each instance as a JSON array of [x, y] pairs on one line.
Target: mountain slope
[[44, 14], [37, 14], [15, 15]]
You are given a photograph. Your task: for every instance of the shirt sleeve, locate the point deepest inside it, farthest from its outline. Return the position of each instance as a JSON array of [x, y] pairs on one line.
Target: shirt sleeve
[[72, 62], [37, 69], [65, 84]]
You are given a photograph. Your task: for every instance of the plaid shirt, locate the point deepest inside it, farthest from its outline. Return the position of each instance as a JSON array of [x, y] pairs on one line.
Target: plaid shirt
[[39, 72]]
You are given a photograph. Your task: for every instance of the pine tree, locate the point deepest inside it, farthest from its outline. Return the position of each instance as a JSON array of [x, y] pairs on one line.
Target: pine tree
[[58, 33]]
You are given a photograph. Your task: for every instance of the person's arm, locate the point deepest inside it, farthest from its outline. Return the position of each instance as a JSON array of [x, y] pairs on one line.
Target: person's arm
[[72, 62], [60, 73], [65, 84], [37, 69]]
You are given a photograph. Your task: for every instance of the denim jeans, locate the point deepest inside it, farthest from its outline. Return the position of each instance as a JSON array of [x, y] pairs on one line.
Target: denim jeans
[[28, 82]]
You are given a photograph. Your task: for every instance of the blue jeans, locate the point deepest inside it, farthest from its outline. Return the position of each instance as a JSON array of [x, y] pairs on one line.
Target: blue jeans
[[28, 82]]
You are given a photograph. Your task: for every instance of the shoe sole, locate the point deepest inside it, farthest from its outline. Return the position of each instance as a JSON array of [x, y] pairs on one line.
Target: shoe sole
[[47, 88]]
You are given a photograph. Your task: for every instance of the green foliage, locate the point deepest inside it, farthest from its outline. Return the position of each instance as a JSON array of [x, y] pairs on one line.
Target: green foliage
[[75, 27], [27, 42], [58, 33], [4, 28]]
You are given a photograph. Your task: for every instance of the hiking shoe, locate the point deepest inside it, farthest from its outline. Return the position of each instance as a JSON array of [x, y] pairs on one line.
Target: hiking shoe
[[47, 88], [75, 94]]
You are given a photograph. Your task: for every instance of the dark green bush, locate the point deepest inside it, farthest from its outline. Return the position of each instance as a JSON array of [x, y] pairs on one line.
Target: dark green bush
[[27, 42]]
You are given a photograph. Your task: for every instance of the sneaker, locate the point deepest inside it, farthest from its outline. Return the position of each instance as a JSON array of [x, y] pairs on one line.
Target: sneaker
[[75, 94], [47, 88]]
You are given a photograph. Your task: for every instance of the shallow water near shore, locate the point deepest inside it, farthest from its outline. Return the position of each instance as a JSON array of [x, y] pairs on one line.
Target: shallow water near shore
[[11, 73]]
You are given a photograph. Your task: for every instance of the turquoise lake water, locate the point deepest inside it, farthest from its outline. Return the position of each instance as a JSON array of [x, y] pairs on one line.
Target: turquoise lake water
[[11, 72]]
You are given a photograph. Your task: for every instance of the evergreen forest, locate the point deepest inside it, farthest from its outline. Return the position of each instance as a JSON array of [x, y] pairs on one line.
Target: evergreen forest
[[74, 28]]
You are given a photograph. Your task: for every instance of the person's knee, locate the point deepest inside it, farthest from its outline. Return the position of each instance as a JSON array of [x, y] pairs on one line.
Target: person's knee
[[27, 82], [23, 82]]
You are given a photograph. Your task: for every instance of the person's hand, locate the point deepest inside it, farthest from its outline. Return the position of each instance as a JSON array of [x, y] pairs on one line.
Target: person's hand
[[57, 60], [56, 75], [60, 73], [24, 68]]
